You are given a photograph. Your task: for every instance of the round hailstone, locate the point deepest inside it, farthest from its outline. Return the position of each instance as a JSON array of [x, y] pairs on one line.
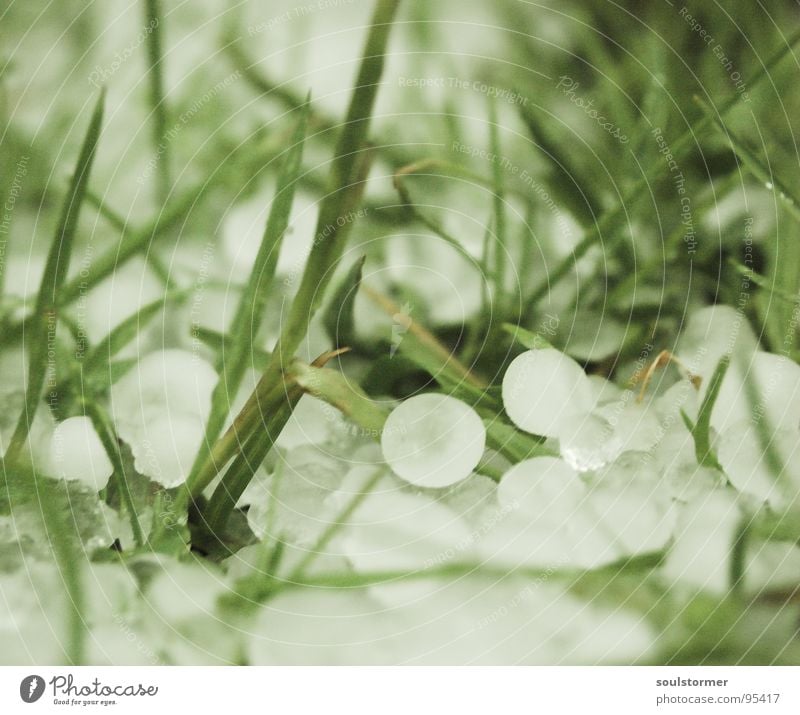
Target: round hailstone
[[173, 379], [746, 463], [710, 333], [168, 447], [77, 454], [775, 380], [544, 392], [542, 487], [590, 443], [433, 440]]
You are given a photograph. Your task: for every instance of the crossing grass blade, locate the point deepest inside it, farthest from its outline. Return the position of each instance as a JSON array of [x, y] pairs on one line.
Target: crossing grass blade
[[252, 303], [348, 179], [45, 316]]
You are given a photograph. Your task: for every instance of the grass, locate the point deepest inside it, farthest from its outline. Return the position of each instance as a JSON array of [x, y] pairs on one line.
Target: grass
[[46, 310], [630, 241]]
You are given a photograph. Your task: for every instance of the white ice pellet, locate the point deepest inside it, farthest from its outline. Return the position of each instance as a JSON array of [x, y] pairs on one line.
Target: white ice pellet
[[433, 440], [542, 487], [589, 443], [173, 380], [746, 461], [167, 448], [77, 454], [544, 392]]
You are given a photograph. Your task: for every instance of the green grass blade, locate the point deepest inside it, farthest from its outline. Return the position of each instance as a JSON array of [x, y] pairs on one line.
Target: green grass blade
[[753, 163], [158, 105], [680, 148], [347, 185], [579, 198], [43, 328], [343, 394], [245, 464], [339, 320], [526, 338], [701, 431], [102, 353], [105, 430], [252, 303], [500, 252]]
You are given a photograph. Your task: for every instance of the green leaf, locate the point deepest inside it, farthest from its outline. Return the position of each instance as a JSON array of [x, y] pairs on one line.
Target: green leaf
[[102, 353], [339, 321], [44, 319]]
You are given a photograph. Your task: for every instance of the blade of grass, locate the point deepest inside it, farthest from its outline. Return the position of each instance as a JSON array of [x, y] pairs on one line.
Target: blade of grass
[[609, 218], [498, 201], [252, 302], [339, 321], [347, 185], [526, 338], [158, 105], [105, 430], [45, 312], [343, 394], [753, 163], [563, 182], [245, 464], [701, 431]]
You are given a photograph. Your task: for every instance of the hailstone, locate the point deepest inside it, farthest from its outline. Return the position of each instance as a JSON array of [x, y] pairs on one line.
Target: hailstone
[[433, 440], [544, 392], [77, 454]]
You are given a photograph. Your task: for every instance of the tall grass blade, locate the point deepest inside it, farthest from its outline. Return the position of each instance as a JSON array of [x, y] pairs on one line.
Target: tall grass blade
[[45, 316]]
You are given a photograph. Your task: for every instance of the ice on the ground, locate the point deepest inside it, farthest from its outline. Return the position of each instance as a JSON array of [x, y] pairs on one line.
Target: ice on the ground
[[468, 621], [747, 463], [167, 446], [636, 426], [544, 392], [401, 530], [710, 333], [775, 384], [543, 488], [589, 443], [700, 555], [313, 422], [433, 440], [297, 493], [170, 380], [160, 409], [636, 519], [77, 454]]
